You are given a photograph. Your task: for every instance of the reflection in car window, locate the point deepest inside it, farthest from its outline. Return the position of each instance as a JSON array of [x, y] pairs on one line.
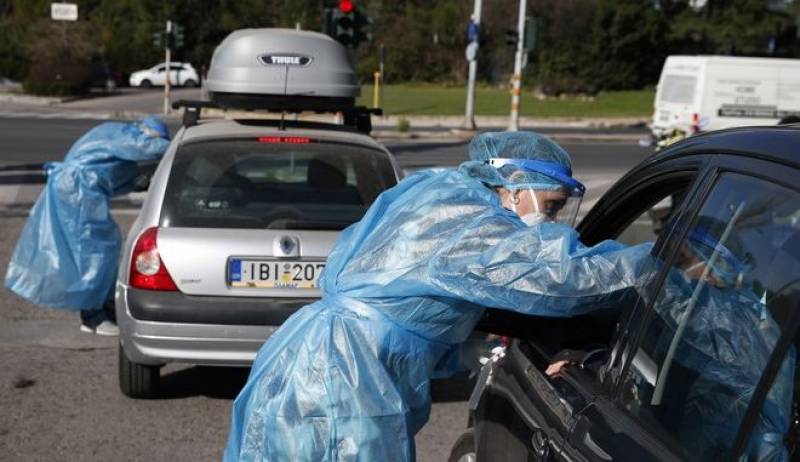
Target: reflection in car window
[[247, 184], [717, 318]]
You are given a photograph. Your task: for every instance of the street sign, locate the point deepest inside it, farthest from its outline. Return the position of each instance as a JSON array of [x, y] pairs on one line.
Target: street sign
[[64, 11], [471, 53]]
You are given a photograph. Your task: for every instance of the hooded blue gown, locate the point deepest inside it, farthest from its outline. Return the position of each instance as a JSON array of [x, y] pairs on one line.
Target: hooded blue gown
[[66, 256], [347, 378]]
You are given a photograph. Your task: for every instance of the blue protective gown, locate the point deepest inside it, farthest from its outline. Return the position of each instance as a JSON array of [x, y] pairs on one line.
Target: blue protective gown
[[66, 256], [348, 377]]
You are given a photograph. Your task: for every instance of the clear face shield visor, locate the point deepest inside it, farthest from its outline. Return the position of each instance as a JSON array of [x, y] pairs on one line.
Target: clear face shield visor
[[535, 202]]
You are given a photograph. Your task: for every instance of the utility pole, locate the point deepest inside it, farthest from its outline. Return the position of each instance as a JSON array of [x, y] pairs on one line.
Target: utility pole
[[167, 70], [473, 35], [516, 79]]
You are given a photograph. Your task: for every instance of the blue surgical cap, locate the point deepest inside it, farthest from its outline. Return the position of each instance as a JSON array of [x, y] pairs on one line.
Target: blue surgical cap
[[157, 125], [514, 145]]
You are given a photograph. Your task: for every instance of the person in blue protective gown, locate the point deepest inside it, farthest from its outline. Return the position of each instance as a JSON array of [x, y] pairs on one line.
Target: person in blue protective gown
[[66, 256], [348, 377]]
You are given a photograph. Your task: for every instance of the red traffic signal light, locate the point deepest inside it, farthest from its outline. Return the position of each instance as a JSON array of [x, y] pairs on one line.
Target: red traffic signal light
[[346, 6]]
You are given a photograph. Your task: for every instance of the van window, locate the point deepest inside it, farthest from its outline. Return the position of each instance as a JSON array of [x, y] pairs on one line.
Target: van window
[[716, 319], [677, 89], [248, 184]]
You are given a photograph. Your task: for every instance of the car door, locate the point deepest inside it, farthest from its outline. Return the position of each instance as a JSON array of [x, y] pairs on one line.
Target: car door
[[706, 366], [157, 75], [638, 209]]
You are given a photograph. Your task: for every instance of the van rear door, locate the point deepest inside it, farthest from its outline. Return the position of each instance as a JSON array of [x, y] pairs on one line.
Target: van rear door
[[678, 95]]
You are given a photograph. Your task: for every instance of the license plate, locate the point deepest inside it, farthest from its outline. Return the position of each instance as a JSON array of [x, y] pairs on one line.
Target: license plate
[[274, 274]]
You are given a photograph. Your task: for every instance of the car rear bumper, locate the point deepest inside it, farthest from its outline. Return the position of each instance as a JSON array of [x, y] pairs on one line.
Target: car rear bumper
[[161, 327]]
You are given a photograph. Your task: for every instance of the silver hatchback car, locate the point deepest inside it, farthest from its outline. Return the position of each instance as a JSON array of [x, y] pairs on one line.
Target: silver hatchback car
[[231, 240]]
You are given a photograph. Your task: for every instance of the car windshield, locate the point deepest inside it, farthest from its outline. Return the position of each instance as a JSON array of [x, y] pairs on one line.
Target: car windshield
[[273, 183]]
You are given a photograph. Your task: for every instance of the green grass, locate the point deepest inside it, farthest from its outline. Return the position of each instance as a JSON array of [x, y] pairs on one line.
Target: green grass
[[422, 99]]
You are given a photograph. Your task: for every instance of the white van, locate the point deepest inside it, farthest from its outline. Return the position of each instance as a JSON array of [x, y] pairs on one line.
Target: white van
[[703, 93]]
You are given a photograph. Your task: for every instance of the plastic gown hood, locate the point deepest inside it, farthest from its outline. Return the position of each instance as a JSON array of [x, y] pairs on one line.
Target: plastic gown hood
[[66, 256], [348, 377], [281, 62]]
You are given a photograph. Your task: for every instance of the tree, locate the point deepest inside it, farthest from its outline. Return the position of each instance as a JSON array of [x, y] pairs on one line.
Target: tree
[[627, 45]]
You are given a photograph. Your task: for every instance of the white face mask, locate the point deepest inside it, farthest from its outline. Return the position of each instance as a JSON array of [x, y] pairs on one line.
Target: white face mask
[[534, 218]]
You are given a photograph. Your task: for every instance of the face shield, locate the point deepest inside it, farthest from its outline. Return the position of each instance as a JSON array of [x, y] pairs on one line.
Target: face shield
[[727, 269], [540, 191]]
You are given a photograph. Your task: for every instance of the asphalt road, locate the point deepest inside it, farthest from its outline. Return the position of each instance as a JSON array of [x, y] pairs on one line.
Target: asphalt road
[[58, 387]]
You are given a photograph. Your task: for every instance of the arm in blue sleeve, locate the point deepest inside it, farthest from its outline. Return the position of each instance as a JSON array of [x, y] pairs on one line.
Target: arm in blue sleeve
[[542, 270]]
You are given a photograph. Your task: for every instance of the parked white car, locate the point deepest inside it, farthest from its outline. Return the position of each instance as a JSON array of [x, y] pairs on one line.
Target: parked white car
[[181, 74]]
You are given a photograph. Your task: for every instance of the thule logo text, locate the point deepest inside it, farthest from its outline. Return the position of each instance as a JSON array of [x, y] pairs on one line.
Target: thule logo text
[[284, 60]]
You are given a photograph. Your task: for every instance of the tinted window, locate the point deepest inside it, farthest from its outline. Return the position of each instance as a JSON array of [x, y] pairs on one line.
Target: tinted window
[[247, 184], [717, 318]]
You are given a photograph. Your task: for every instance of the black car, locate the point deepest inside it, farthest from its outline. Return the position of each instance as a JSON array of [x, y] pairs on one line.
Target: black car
[[697, 363]]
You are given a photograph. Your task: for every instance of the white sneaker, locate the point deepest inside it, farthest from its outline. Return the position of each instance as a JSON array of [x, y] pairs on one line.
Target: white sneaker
[[107, 328]]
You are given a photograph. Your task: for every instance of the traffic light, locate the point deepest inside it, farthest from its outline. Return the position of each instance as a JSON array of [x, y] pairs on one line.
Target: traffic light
[[158, 39], [362, 28], [346, 6], [348, 25], [343, 22], [177, 35], [530, 33]]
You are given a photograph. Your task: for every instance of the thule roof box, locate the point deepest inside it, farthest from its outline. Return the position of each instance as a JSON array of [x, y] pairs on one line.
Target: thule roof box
[[282, 70]]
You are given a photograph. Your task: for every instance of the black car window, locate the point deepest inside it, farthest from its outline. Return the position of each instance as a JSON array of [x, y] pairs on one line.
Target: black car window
[[275, 185], [716, 319]]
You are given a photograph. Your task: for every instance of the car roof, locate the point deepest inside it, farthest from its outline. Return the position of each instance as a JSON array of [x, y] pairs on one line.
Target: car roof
[[774, 143], [209, 129]]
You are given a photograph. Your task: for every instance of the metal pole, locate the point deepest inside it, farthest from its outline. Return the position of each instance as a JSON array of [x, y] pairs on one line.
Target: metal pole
[[516, 79], [469, 116], [383, 76], [167, 69], [376, 88]]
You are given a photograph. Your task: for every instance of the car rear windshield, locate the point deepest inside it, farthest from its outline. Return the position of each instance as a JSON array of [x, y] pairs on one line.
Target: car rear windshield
[[273, 185], [677, 89]]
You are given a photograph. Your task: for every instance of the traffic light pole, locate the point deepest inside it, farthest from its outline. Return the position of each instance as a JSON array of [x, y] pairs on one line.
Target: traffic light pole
[[469, 116], [167, 69], [516, 79]]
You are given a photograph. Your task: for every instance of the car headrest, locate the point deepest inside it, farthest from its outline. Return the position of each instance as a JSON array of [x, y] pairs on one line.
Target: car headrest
[[327, 172]]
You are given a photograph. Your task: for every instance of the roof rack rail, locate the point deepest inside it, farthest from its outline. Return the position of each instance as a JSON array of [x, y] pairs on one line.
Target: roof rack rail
[[358, 117]]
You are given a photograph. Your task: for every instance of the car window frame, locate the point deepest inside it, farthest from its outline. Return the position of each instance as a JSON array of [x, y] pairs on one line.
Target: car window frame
[[719, 164], [597, 227]]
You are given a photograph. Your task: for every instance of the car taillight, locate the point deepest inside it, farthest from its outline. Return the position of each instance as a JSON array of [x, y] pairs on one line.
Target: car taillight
[[695, 122], [147, 269]]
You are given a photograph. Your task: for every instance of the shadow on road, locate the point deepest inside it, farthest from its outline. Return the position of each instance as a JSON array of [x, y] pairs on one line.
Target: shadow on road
[[225, 383], [212, 382], [450, 390]]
